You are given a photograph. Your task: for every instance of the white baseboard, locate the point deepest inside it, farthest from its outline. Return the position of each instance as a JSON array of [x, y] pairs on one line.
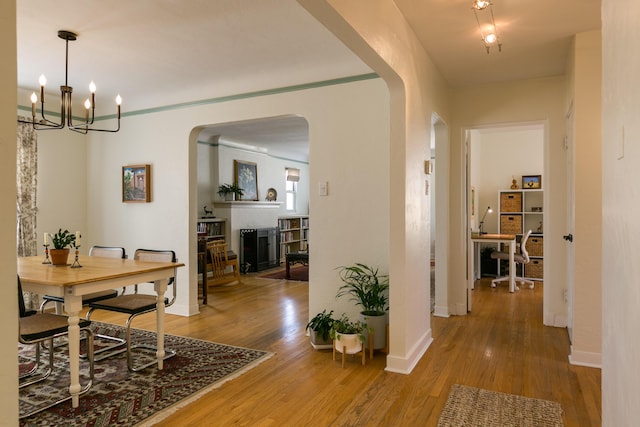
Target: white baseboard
[[441, 311], [557, 320], [585, 358], [460, 310], [404, 365]]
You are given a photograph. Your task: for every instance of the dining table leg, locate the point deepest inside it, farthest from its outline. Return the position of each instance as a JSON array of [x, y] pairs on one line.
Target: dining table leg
[[160, 287], [73, 305]]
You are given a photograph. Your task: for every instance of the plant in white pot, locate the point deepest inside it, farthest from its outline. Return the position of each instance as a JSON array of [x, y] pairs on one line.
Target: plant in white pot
[[230, 192], [369, 290], [62, 241], [320, 330], [348, 337]]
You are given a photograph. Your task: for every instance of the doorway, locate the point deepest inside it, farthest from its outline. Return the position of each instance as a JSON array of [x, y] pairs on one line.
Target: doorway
[[498, 158]]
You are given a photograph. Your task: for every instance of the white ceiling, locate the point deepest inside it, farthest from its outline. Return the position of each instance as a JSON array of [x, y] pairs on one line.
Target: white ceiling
[[163, 52]]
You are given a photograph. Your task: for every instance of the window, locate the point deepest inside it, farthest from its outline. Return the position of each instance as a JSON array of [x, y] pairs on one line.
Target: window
[[292, 176]]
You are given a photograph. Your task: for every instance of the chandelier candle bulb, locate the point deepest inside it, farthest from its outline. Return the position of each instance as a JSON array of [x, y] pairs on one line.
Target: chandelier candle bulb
[[34, 99]]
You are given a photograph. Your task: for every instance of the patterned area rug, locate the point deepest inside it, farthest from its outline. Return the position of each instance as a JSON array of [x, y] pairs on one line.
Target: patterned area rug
[[121, 398], [469, 406]]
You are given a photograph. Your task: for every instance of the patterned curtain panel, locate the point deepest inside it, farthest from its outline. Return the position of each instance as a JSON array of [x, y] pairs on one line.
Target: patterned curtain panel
[[27, 183]]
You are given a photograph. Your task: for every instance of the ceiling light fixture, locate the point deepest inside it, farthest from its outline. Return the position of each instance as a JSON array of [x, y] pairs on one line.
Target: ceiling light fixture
[[483, 11], [66, 117]]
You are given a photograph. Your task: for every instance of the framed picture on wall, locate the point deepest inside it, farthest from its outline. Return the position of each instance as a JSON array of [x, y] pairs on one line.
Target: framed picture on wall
[[530, 182], [246, 175], [136, 183]]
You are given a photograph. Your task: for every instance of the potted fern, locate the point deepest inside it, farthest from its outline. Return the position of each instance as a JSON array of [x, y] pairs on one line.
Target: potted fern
[[230, 192], [369, 290], [62, 241], [319, 330]]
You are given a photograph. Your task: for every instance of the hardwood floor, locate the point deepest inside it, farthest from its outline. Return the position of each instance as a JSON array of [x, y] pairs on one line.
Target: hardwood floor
[[502, 346]]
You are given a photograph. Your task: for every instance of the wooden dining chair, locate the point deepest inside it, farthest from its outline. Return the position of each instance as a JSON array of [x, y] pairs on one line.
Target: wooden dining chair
[[135, 304], [219, 259], [36, 328]]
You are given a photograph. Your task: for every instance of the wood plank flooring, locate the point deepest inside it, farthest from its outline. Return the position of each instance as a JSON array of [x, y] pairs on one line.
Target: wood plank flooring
[[501, 346]]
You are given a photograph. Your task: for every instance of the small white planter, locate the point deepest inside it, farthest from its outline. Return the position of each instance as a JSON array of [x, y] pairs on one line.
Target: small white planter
[[348, 343]]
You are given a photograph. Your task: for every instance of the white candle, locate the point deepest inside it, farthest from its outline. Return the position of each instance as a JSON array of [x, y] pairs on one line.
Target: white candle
[[78, 238], [46, 238]]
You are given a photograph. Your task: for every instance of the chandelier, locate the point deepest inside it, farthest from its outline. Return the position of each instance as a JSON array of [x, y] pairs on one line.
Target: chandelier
[[483, 11], [66, 116]]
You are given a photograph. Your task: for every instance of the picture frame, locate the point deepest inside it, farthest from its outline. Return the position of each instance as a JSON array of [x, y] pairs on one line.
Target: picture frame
[[246, 177], [531, 182], [136, 183]]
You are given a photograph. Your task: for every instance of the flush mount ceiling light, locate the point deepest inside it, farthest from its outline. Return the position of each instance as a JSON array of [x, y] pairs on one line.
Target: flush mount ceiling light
[[66, 116], [483, 11]]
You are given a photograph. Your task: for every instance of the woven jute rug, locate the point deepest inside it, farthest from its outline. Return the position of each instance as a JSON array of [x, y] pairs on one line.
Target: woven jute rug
[[119, 397], [469, 406]]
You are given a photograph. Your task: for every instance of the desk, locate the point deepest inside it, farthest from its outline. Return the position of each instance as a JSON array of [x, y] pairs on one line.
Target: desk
[[495, 238], [96, 274], [292, 258]]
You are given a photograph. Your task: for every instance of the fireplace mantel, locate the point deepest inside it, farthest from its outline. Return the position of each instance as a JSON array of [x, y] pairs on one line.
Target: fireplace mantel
[[246, 214]]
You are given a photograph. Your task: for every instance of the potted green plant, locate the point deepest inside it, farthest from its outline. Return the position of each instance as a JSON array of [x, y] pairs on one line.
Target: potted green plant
[[370, 291], [61, 241], [348, 336], [230, 192], [319, 330]]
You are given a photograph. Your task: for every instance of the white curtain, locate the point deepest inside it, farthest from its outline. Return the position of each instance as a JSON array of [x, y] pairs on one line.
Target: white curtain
[[27, 184]]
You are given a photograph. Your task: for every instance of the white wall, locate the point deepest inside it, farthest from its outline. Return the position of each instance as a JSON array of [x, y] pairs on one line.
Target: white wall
[[9, 313], [586, 77], [271, 174], [62, 184], [620, 206], [341, 118], [499, 155], [377, 32]]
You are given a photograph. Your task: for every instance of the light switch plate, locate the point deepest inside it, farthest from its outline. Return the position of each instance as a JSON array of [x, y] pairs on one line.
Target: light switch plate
[[323, 188]]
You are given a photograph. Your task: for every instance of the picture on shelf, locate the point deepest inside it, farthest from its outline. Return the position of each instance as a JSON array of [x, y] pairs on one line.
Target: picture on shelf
[[246, 174], [531, 182]]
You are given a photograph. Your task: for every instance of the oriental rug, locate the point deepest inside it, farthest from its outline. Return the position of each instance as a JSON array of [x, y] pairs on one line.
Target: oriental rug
[[119, 397], [297, 273], [469, 406]]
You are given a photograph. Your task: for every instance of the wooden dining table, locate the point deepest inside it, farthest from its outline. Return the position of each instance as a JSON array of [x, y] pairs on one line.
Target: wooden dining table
[[96, 274]]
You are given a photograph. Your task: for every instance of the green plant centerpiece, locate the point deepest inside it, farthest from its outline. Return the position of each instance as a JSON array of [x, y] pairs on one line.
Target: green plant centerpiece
[[230, 192], [61, 241], [319, 330], [370, 290], [348, 337]]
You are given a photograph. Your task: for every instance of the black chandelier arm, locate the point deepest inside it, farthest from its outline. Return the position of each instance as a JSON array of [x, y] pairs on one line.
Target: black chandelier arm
[[85, 128]]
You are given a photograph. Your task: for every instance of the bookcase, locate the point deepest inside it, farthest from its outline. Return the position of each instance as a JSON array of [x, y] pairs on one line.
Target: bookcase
[[520, 211], [294, 234], [212, 228]]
